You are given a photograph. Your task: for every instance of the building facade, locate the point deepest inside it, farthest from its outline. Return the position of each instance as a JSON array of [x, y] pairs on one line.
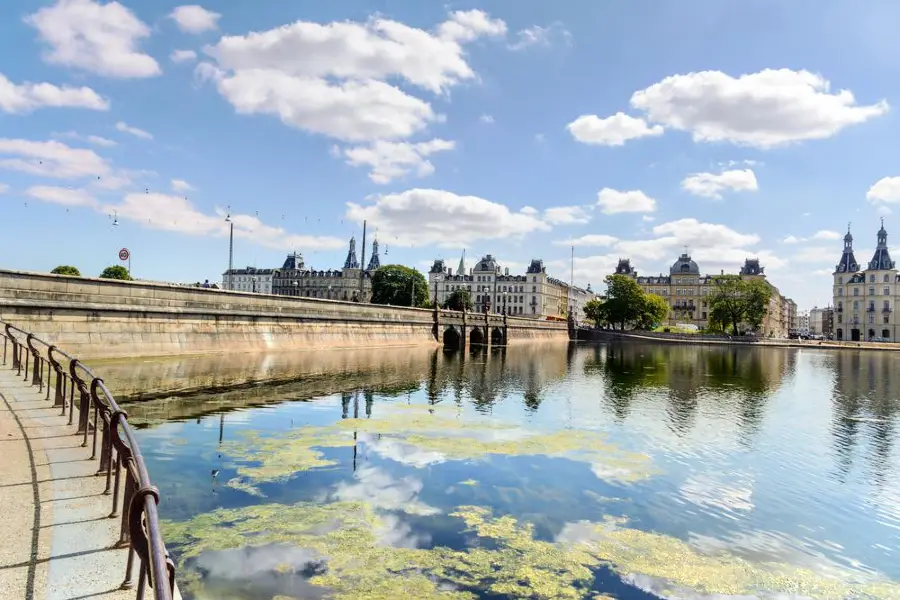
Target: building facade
[[250, 279], [493, 289], [864, 300], [821, 321], [351, 283], [686, 290]]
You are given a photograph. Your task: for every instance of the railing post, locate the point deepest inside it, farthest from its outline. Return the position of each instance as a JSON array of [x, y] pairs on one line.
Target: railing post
[[84, 405], [59, 397]]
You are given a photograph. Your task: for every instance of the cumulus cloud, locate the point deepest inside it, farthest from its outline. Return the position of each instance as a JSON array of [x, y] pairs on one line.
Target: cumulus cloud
[[598, 240], [180, 185], [26, 97], [181, 56], [62, 196], [886, 189], [98, 38], [611, 131], [140, 133], [537, 35], [567, 215], [822, 234], [51, 159], [392, 160], [428, 216], [613, 202], [192, 18], [765, 109], [711, 185], [332, 79]]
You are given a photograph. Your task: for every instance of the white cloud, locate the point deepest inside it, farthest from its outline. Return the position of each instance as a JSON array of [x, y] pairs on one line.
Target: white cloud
[[647, 218], [791, 239], [711, 185], [332, 79], [567, 215], [192, 18], [383, 491], [391, 160], [589, 240], [486, 119], [540, 36], [886, 189], [613, 202], [51, 159], [125, 128], [764, 109], [426, 216], [815, 254], [26, 97], [181, 56], [180, 185], [101, 141], [611, 131], [824, 234], [175, 213], [62, 196], [94, 37]]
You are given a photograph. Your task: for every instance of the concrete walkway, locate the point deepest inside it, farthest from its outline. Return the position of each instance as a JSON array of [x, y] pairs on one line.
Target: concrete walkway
[[57, 541]]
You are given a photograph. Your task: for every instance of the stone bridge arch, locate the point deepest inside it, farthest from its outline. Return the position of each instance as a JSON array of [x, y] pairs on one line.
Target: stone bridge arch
[[453, 339], [476, 337]]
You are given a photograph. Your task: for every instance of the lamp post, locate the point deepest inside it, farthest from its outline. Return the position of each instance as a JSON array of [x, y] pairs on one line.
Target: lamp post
[[230, 249], [504, 303]]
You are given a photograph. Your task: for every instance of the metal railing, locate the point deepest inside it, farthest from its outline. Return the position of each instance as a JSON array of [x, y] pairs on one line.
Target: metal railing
[[74, 387]]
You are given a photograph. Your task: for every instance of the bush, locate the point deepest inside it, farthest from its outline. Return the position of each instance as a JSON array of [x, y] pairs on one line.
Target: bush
[[66, 270], [116, 272]]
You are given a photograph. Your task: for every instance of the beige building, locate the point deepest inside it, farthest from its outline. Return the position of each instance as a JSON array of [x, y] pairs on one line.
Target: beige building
[[534, 294], [685, 290], [351, 283], [864, 300]]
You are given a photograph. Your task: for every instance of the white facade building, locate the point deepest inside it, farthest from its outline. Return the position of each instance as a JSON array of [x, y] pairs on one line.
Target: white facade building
[[250, 279], [864, 301], [534, 294]]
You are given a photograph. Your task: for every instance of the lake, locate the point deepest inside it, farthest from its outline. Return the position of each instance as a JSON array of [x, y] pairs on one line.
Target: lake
[[626, 470]]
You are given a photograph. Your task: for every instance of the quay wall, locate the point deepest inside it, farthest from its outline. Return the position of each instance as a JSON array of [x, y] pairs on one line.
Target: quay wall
[[102, 318]]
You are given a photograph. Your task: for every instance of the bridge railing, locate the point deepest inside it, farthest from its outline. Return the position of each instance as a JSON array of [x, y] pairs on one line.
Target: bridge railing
[[76, 390]]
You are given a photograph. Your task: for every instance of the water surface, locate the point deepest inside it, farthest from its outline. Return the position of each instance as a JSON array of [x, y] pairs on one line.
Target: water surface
[[628, 471]]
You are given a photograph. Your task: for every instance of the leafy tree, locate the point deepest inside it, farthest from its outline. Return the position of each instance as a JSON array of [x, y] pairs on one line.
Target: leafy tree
[[625, 300], [66, 270], [735, 300], [654, 310], [458, 300], [116, 272], [400, 286], [595, 310]]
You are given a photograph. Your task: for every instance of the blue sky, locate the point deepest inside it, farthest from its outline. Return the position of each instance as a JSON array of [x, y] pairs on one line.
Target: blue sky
[[518, 129]]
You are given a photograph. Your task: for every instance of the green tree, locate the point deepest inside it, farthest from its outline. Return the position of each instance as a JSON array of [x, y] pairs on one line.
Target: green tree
[[66, 270], [625, 300], [458, 300], [735, 300], [400, 286], [655, 309], [595, 310], [116, 272]]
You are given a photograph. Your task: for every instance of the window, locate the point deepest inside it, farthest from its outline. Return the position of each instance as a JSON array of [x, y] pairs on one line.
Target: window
[[871, 319], [840, 280], [887, 278], [534, 278], [840, 306], [533, 288], [856, 305], [840, 291], [856, 291], [704, 316], [840, 318], [886, 319], [886, 333], [872, 290], [871, 279], [887, 291], [887, 305]]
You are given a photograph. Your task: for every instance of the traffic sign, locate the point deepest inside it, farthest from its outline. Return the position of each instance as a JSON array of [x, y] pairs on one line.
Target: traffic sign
[[124, 254]]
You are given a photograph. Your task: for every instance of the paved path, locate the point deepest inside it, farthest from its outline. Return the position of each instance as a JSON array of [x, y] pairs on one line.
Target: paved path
[[57, 541]]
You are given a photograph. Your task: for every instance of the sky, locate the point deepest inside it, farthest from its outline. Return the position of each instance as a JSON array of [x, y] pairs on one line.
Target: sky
[[627, 130]]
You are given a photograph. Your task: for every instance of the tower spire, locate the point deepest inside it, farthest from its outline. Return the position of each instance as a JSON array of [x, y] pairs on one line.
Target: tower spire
[[462, 264], [848, 263]]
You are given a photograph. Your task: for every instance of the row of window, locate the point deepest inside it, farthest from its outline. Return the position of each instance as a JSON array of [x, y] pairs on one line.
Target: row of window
[[885, 319], [885, 292], [886, 279], [885, 307], [509, 299]]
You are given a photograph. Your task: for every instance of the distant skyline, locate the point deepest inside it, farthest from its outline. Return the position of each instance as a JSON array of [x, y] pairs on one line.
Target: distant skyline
[[627, 130]]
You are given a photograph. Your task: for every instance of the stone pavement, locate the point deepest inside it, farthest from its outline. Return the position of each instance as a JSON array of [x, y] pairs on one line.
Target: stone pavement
[[57, 541]]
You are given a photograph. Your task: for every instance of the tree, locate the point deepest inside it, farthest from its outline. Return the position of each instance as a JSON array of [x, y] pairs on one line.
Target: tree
[[116, 272], [595, 310], [735, 300], [654, 310], [400, 286], [458, 300], [66, 270], [625, 300]]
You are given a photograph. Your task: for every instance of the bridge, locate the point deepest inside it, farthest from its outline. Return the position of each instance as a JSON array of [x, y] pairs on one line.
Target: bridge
[[80, 513], [102, 318]]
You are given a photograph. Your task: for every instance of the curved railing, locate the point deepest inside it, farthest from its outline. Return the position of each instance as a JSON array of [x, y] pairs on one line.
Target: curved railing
[[76, 388]]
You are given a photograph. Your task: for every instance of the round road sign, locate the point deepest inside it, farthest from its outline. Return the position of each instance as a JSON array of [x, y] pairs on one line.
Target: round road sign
[[124, 254]]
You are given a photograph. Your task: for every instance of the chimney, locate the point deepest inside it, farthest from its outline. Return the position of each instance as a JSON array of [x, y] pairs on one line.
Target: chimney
[[506, 271], [449, 272]]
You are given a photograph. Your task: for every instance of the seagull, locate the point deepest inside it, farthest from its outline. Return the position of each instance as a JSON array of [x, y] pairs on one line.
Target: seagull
[[214, 473]]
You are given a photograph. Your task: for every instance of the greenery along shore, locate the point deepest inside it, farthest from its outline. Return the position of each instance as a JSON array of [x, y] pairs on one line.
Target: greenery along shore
[[735, 303]]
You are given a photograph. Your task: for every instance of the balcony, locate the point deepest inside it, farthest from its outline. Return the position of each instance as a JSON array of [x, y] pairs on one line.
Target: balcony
[[886, 309], [840, 309], [870, 309]]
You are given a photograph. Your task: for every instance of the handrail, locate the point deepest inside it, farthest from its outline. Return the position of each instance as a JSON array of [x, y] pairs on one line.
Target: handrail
[[98, 410]]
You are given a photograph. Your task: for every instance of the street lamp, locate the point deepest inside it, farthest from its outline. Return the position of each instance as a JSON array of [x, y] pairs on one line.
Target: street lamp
[[230, 249], [504, 303]]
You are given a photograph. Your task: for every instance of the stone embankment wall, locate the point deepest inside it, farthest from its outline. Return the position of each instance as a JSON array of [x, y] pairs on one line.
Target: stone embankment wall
[[93, 318]]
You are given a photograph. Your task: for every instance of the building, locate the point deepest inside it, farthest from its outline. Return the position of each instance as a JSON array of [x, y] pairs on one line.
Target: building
[[351, 283], [249, 279], [821, 321], [685, 290], [493, 289], [864, 300], [804, 323]]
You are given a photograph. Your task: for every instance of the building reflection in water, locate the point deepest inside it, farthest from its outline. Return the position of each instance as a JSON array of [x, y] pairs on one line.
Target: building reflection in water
[[671, 384]]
